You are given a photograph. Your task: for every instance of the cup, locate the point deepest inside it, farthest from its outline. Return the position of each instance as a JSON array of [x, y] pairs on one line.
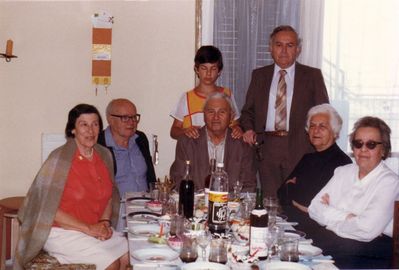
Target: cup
[[189, 251], [289, 250], [177, 225], [218, 251]]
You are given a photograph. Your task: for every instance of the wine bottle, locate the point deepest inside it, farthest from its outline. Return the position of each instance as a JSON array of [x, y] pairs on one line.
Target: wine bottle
[[218, 198], [258, 228], [186, 194], [212, 168]]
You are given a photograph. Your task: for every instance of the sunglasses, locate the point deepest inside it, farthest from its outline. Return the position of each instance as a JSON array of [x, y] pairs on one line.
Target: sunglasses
[[369, 144]]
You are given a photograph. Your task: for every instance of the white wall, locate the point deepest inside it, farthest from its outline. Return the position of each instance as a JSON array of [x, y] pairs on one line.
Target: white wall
[[152, 60]]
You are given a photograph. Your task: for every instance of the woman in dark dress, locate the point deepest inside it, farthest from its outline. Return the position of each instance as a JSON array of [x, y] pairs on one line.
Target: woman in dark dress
[[314, 169]]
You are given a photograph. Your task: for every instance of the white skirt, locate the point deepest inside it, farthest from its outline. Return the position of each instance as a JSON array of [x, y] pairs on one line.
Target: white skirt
[[70, 246]]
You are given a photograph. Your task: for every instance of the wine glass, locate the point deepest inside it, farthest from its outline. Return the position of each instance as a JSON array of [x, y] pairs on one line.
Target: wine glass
[[237, 187], [203, 240], [270, 239]]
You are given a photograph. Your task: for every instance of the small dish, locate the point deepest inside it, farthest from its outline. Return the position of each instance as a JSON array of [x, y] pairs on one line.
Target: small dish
[[145, 230], [294, 234], [309, 250], [155, 254], [155, 206], [204, 266], [175, 243]]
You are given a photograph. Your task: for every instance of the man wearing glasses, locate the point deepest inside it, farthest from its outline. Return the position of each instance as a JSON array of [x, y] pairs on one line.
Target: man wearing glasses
[[130, 149]]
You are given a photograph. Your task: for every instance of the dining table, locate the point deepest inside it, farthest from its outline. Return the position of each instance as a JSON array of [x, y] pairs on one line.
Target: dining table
[[146, 255]]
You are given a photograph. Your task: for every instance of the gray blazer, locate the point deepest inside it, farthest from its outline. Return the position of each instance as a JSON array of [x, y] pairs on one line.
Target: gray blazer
[[238, 161]]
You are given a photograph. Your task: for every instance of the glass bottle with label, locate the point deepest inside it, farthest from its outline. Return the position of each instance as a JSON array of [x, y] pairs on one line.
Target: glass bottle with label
[[186, 194], [218, 199], [258, 228], [212, 168]]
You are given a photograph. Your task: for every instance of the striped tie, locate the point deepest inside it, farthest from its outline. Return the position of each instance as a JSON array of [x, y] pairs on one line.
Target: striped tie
[[281, 103]]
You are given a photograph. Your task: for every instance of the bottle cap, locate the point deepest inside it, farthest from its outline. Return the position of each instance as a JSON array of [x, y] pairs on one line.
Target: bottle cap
[[220, 165]]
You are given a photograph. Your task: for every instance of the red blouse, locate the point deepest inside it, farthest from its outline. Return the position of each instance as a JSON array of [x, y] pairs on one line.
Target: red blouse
[[87, 190]]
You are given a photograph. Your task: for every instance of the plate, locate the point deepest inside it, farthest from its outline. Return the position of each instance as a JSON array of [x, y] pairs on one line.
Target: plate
[[155, 254], [204, 266], [145, 229], [139, 201], [294, 234], [309, 250], [286, 266]]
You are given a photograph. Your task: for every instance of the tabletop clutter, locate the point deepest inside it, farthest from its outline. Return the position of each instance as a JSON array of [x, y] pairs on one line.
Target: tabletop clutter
[[214, 228]]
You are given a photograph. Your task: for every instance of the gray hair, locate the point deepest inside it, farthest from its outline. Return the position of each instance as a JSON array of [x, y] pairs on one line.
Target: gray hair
[[220, 95], [288, 28], [335, 118], [381, 126]]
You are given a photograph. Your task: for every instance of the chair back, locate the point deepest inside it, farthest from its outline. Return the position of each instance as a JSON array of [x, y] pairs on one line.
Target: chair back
[[395, 236]]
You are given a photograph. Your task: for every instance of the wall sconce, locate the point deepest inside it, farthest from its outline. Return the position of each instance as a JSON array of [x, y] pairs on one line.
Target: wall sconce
[[8, 54]]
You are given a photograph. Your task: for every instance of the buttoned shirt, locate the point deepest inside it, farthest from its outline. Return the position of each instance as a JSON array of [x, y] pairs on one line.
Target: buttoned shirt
[[131, 167], [371, 199], [216, 150], [289, 80]]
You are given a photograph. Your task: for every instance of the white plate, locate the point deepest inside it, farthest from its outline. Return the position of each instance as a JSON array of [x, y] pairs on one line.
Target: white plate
[[204, 266], [145, 229], [286, 266], [294, 234], [155, 254], [309, 250]]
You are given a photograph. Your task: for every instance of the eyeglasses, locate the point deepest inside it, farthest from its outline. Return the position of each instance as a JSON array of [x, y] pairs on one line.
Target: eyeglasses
[[126, 118], [369, 144]]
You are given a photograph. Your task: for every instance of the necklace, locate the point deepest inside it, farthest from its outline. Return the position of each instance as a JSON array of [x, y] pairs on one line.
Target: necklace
[[87, 156]]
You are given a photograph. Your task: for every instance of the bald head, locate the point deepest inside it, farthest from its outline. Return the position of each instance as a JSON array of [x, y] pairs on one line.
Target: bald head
[[122, 129]]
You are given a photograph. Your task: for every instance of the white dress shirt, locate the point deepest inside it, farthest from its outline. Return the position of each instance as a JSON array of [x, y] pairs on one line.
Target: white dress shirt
[[371, 199], [271, 110]]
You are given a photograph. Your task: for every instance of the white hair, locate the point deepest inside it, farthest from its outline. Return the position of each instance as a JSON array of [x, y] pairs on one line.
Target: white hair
[[335, 118], [220, 95]]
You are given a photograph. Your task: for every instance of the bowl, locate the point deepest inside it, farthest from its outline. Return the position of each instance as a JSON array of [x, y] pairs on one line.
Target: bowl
[[175, 243], [155, 206]]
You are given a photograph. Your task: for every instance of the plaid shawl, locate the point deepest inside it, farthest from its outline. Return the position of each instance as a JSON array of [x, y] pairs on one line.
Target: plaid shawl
[[37, 214]]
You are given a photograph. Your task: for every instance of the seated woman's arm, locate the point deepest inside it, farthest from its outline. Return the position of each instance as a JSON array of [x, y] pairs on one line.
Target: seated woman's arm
[[362, 224], [100, 230]]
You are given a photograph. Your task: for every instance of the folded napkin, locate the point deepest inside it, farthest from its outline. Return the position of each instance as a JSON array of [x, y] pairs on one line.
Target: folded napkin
[[312, 261]]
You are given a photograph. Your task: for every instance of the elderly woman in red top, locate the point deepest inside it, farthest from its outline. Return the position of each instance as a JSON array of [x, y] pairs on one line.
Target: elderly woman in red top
[[73, 201]]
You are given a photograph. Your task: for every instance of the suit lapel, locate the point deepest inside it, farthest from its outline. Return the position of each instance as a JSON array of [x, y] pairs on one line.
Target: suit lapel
[[266, 82], [298, 95]]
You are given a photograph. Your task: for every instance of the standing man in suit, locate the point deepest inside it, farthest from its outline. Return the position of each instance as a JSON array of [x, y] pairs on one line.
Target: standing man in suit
[[215, 141], [274, 115], [129, 147]]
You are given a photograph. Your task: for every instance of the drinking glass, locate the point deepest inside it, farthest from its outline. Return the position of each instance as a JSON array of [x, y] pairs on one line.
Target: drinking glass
[[271, 205], [289, 250], [154, 191], [203, 239], [188, 252], [218, 251], [237, 187], [270, 239]]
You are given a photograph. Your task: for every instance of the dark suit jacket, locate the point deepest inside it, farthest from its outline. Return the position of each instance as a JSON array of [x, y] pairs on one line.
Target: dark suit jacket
[[144, 147], [238, 161], [309, 90]]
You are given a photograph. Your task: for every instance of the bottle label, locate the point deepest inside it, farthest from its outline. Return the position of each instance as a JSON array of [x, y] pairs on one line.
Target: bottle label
[[258, 241], [218, 205], [259, 212]]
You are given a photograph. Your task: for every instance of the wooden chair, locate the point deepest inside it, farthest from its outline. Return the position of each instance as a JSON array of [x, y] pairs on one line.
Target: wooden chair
[[395, 236], [8, 227]]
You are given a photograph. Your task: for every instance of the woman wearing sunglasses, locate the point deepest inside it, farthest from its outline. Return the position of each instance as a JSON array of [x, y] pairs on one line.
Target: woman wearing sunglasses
[[356, 205]]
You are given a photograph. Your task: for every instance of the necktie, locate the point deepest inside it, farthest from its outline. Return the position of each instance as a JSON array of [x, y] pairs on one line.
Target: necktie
[[281, 103]]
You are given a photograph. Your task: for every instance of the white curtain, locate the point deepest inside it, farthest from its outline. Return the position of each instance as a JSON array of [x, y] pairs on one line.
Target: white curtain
[[241, 31], [311, 20]]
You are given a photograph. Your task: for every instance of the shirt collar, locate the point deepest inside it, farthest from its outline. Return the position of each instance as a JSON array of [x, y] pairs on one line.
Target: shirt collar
[[110, 142], [290, 70]]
